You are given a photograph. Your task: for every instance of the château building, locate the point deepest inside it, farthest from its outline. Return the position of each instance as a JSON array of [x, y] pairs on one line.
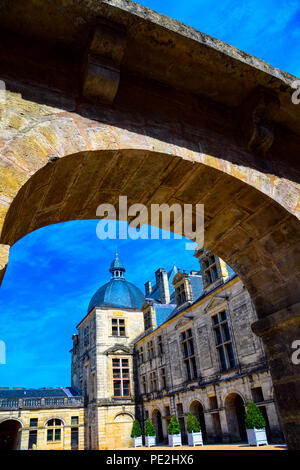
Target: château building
[[203, 357], [186, 345]]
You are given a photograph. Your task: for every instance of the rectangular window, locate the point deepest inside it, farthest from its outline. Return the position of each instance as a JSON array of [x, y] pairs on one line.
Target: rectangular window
[[118, 327], [121, 381], [50, 435], [32, 439], [57, 434], [86, 336], [257, 394], [153, 381], [33, 422], [144, 384], [160, 345], [163, 377], [188, 350], [74, 438], [223, 341], [180, 294], [150, 350], [210, 270], [148, 320], [141, 355], [74, 420]]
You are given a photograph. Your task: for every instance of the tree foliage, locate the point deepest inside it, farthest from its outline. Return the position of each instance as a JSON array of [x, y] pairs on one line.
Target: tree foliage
[[174, 427], [149, 428], [254, 419], [193, 424], [136, 429]]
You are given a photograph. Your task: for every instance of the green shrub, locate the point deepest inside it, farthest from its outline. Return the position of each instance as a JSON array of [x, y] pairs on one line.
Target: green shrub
[[174, 427], [136, 429], [193, 424], [149, 428], [254, 419]]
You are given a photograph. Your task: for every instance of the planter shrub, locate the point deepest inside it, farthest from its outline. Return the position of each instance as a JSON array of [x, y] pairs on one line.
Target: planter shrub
[[255, 425], [174, 435], [150, 433], [194, 431], [136, 434]]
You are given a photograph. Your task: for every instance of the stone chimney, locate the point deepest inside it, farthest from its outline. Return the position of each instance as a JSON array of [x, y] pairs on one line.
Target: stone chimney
[[148, 288], [162, 282]]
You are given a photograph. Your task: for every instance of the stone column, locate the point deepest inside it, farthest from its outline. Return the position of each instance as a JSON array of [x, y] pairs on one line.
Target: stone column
[[279, 331], [275, 428], [224, 426], [41, 439], [210, 429], [24, 439], [80, 437]]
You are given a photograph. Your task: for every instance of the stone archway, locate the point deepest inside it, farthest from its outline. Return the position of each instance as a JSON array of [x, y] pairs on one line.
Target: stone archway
[[197, 409], [235, 414], [254, 234], [10, 434], [120, 430], [157, 422]]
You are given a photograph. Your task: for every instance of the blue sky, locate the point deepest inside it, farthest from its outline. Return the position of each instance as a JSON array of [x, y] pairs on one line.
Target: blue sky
[[53, 272], [51, 277]]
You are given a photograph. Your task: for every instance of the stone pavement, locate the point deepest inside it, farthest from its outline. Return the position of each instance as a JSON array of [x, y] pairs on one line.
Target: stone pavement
[[239, 446]]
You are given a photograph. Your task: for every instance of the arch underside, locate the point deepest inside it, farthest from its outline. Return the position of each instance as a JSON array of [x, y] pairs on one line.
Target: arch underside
[[255, 235]]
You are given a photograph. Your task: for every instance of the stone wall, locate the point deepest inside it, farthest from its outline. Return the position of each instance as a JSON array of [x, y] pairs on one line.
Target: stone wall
[[43, 415], [212, 385]]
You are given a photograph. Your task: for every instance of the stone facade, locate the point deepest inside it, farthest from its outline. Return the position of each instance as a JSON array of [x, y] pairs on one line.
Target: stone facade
[[219, 374], [155, 361], [220, 130], [34, 424], [108, 418]]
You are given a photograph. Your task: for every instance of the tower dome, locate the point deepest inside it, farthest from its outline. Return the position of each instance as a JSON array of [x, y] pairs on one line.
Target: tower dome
[[117, 292]]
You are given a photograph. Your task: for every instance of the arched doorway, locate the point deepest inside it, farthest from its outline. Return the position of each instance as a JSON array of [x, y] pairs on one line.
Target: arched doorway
[[235, 414], [243, 225], [157, 421], [197, 409], [10, 434]]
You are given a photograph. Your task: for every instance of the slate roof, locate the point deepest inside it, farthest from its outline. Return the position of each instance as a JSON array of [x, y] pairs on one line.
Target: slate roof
[[118, 293], [39, 393], [162, 311]]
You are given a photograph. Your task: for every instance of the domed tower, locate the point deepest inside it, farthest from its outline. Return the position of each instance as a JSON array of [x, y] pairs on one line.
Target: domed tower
[[117, 292], [102, 357]]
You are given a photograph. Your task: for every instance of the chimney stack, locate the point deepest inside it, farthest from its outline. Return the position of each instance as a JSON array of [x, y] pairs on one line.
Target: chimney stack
[[162, 282], [148, 288]]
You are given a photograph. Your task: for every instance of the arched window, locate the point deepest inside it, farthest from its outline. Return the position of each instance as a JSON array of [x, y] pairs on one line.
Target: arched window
[[54, 430]]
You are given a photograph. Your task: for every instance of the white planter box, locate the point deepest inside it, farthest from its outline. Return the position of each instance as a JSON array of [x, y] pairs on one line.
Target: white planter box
[[257, 437], [150, 441], [137, 441], [195, 439], [174, 440]]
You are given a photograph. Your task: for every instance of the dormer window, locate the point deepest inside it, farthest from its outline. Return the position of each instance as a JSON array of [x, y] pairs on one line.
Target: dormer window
[[210, 271], [180, 294], [147, 319]]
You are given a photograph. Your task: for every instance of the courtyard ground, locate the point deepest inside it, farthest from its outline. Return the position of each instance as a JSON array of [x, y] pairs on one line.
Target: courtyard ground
[[239, 446]]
